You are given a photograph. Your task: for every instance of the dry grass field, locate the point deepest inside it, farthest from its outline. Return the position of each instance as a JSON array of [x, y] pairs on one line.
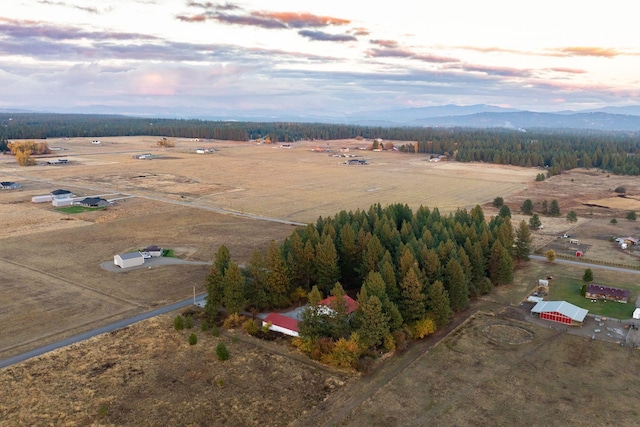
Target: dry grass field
[[148, 375], [499, 371]]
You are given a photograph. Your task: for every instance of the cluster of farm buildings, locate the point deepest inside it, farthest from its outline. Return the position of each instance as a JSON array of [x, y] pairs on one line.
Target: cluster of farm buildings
[[61, 198]]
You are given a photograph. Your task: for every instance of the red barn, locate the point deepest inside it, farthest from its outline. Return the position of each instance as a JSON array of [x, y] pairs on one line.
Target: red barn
[[560, 311]]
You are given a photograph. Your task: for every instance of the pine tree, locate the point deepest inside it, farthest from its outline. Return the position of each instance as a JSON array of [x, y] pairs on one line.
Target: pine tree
[[411, 303], [523, 242], [326, 264], [215, 281], [439, 305], [340, 327], [376, 286], [572, 216], [456, 285], [371, 256], [527, 207], [234, 298], [313, 324], [277, 284], [373, 325], [554, 208], [588, 275], [257, 282], [534, 222]]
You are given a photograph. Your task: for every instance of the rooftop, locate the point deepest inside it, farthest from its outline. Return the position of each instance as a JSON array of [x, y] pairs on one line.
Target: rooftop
[[573, 312]]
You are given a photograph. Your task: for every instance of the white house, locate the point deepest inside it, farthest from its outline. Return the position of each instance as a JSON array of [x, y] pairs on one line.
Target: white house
[[154, 251], [130, 259]]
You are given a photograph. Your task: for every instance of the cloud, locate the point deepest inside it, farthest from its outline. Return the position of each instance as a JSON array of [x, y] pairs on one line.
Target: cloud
[[264, 19], [360, 31], [63, 4], [20, 29], [590, 51], [322, 36], [494, 70], [385, 43], [406, 53], [568, 70]]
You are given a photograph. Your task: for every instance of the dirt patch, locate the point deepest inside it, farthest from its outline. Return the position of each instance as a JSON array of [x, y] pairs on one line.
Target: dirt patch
[[508, 334], [470, 379], [148, 375]]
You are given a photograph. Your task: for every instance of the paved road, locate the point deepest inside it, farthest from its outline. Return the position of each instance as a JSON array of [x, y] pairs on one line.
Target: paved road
[[102, 330], [586, 264]]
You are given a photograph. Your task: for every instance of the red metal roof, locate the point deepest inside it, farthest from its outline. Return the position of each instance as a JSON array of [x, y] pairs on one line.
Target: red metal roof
[[352, 305], [282, 321]]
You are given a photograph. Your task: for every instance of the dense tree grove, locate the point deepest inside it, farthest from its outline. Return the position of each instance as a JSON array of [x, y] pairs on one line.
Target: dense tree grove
[[409, 272], [556, 150]]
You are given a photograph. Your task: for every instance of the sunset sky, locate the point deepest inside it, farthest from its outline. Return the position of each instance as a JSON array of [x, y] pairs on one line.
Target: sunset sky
[[317, 57]]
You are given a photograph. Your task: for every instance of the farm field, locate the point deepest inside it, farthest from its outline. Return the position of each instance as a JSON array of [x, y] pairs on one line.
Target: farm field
[[148, 375], [499, 371]]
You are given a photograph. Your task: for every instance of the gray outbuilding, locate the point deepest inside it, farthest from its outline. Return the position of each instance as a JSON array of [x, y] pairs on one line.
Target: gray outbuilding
[[130, 259]]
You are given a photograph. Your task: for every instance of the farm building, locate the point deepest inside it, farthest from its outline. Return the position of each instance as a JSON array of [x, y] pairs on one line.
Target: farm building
[[41, 199], [154, 251], [58, 203], [93, 202], [62, 194], [560, 311], [283, 324], [130, 259], [630, 241], [607, 293], [325, 305], [6, 185]]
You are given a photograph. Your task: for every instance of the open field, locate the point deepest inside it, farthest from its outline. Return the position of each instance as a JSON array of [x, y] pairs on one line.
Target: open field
[[498, 371], [148, 375]]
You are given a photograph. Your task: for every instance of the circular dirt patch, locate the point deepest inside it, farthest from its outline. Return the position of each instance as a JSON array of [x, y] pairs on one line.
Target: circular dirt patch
[[507, 334]]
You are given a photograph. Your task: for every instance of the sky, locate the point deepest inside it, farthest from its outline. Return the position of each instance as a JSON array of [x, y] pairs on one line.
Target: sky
[[325, 58]]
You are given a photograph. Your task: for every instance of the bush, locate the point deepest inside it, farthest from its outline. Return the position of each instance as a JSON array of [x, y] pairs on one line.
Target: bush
[[193, 339], [401, 340], [250, 327], [422, 328], [188, 323], [540, 177], [550, 255], [178, 323], [498, 201], [215, 331], [583, 291], [344, 354], [389, 343], [204, 326], [631, 215], [587, 276], [221, 352], [233, 321], [614, 221], [620, 190]]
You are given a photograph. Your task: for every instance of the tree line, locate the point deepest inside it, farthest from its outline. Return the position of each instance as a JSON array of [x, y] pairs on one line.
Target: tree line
[[556, 150], [409, 272]]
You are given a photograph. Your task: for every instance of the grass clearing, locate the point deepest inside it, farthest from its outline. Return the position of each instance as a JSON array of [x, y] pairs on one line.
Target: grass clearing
[[78, 209], [569, 289]]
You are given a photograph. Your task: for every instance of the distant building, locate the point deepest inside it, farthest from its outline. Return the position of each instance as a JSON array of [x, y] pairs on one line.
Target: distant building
[[62, 194], [325, 305], [7, 185], [93, 202], [607, 293], [283, 324]]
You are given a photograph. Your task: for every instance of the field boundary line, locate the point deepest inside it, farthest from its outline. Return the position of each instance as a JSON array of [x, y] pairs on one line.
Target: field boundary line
[[89, 288]]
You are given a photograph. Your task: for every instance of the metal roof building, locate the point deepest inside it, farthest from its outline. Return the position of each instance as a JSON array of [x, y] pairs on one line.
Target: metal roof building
[[560, 311]]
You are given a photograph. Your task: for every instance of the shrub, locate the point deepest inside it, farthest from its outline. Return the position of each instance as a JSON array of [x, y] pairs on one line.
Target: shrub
[[583, 291], [344, 354], [204, 326], [422, 328], [250, 327], [540, 177], [620, 189], [188, 323], [389, 343], [614, 221], [572, 216], [631, 215], [221, 352], [550, 255], [587, 276], [400, 339], [193, 339], [215, 331], [178, 323], [498, 201], [233, 321]]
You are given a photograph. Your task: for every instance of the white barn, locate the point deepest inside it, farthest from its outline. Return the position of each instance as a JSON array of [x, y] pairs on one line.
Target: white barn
[[130, 259]]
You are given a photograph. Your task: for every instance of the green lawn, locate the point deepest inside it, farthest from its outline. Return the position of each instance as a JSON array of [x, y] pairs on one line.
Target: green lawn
[[168, 253], [77, 209], [569, 289]]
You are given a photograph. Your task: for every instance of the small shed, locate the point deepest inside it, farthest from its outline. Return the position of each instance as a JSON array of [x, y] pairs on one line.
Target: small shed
[[283, 324], [543, 282], [153, 250], [578, 253], [130, 259], [574, 242]]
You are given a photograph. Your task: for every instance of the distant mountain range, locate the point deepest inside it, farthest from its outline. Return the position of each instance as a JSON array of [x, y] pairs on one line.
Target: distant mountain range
[[474, 116]]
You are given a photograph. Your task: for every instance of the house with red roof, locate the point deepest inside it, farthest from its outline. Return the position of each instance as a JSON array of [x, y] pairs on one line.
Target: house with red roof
[[325, 305], [283, 324]]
